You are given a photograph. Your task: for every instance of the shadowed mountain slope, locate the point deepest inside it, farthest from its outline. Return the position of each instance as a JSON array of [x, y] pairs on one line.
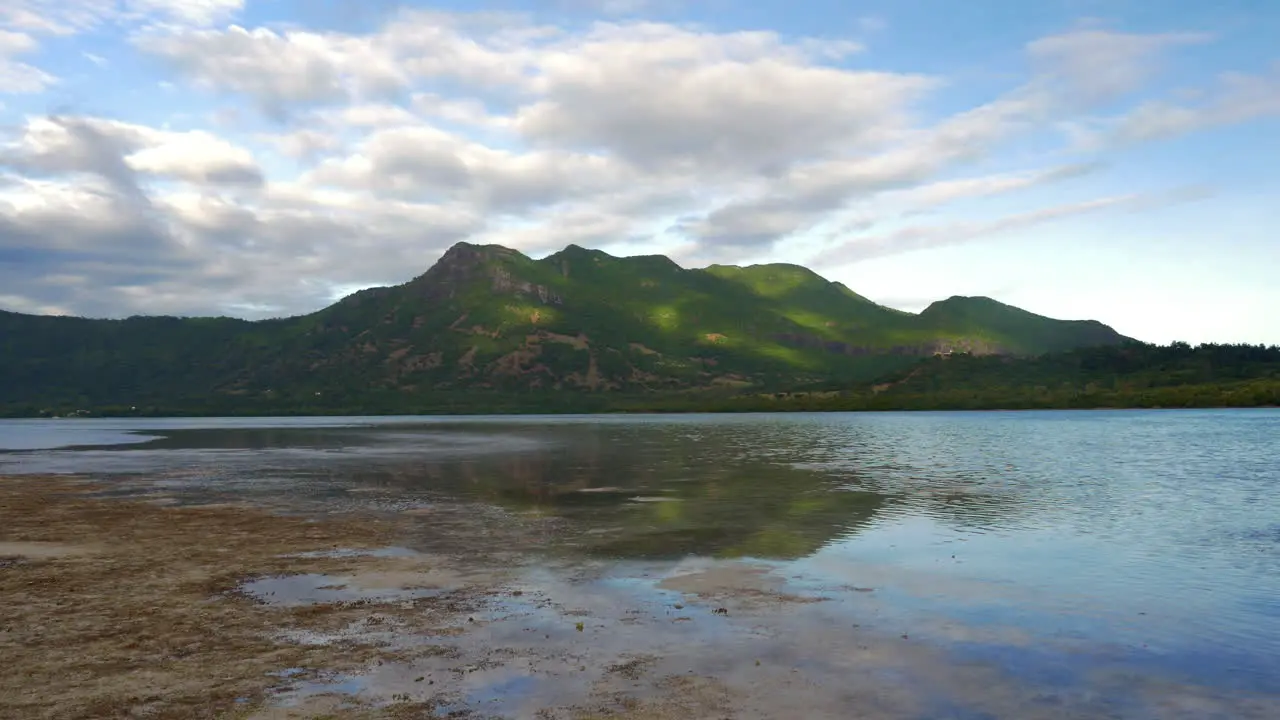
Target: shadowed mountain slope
[[490, 318]]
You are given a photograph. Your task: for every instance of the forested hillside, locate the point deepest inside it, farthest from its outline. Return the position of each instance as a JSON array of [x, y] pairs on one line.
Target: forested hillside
[[489, 329]]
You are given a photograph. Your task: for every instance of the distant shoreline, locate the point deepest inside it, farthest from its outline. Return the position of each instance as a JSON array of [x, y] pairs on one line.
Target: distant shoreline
[[535, 413]]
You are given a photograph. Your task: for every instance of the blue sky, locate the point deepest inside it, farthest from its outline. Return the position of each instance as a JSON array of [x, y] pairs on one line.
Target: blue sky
[[1081, 159]]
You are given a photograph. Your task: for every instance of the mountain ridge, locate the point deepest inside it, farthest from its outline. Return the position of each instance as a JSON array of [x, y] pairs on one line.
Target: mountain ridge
[[489, 318], [464, 245]]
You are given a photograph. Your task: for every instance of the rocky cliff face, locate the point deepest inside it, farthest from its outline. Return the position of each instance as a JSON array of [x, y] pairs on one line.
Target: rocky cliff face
[[456, 270], [465, 264]]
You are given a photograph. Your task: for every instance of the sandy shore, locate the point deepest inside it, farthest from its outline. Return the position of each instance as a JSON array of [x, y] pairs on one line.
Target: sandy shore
[[114, 608], [144, 608], [134, 608]]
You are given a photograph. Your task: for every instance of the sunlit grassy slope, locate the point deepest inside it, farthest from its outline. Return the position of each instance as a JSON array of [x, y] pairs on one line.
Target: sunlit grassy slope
[[486, 318]]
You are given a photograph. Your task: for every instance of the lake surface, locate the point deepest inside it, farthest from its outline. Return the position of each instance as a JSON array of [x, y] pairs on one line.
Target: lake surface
[[1091, 564]]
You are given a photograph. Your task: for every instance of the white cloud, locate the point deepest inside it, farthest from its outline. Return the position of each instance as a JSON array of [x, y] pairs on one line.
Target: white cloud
[[197, 157], [17, 77], [667, 98], [55, 16], [923, 237], [589, 227], [22, 20], [948, 191], [18, 303], [1237, 98], [282, 70], [66, 17], [426, 162], [464, 111], [115, 150], [91, 223], [1234, 99], [810, 192], [438, 126], [372, 115], [303, 144], [21, 78], [186, 12], [77, 241], [611, 7], [1096, 66], [84, 147], [279, 71], [653, 94], [16, 43], [195, 252]]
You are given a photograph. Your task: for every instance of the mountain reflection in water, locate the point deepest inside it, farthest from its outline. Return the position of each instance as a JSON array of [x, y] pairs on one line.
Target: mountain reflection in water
[[1146, 538]]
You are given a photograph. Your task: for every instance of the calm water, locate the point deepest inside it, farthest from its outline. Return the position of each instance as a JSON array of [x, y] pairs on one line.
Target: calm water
[[1105, 552]]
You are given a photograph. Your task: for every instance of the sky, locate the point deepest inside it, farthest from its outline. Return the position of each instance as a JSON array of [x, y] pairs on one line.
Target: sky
[[1115, 160]]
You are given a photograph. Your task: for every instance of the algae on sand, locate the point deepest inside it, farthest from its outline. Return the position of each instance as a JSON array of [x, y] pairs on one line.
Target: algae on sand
[[143, 621]]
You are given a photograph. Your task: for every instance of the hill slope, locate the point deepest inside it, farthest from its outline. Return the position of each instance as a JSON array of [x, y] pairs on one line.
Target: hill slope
[[489, 318]]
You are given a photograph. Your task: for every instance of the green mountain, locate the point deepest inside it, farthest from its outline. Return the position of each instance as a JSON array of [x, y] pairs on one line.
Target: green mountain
[[487, 321]]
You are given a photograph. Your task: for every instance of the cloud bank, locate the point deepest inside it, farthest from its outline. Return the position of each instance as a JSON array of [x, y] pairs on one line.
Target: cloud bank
[[336, 160]]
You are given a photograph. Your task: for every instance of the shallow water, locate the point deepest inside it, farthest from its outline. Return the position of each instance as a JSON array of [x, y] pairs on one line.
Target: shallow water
[[1115, 564]]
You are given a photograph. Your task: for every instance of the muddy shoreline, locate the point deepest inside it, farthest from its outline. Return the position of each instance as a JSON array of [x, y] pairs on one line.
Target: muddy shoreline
[[119, 601], [142, 608], [128, 608]]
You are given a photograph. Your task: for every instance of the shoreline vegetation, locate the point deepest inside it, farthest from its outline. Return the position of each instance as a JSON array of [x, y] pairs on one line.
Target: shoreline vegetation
[[1130, 376]]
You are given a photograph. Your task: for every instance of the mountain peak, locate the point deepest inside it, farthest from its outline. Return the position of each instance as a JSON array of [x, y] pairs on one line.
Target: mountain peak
[[470, 252], [465, 256], [968, 300], [458, 266], [974, 307], [574, 251]]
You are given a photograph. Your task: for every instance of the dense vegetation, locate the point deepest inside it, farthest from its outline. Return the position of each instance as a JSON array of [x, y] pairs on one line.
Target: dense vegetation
[[1133, 375], [490, 330]]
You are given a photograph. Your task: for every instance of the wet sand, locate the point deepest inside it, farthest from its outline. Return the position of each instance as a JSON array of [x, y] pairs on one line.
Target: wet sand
[[139, 608], [143, 607], [126, 608]]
